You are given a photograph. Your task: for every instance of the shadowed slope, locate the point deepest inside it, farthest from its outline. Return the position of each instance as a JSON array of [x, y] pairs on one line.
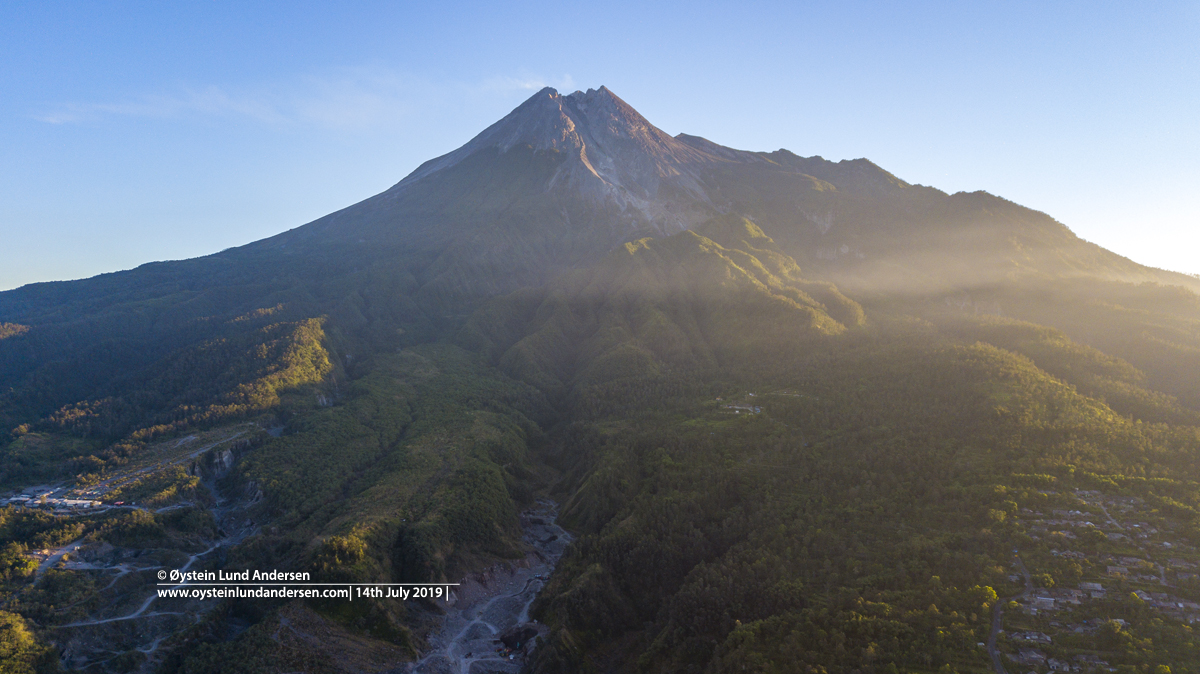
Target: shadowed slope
[[682, 302]]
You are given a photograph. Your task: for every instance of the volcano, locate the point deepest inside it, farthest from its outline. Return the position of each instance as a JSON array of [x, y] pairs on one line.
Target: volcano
[[796, 414]]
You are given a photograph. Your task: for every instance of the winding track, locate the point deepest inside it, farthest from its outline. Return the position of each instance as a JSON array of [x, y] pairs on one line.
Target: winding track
[[149, 600]]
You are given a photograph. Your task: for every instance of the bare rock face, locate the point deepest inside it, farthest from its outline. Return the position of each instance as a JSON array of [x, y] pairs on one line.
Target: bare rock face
[[613, 156]]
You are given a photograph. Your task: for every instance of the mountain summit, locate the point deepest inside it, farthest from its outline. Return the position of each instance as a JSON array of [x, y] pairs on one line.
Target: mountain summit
[[612, 150], [610, 155], [559, 181]]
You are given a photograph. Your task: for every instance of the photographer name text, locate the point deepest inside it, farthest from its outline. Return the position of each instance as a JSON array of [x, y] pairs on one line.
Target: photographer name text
[[248, 575]]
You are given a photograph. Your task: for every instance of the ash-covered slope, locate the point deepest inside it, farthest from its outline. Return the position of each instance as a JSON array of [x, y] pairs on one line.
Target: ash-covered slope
[[612, 154]]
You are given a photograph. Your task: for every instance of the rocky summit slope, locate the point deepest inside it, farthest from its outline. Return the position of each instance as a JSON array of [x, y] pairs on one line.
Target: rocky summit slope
[[612, 153]]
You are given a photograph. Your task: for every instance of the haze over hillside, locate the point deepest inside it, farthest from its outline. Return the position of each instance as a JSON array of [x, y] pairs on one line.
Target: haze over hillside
[[794, 415]]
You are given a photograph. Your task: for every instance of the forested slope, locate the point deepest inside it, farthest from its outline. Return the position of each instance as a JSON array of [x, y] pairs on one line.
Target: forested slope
[[810, 498]]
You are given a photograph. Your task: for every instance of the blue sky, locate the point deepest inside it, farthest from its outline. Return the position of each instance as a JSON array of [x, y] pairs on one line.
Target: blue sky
[[133, 132]]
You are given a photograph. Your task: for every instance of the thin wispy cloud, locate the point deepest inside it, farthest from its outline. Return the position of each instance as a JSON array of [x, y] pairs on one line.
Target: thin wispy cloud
[[209, 101], [349, 99]]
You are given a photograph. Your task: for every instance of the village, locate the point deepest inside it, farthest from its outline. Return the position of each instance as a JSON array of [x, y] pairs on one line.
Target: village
[[746, 405], [84, 497], [65, 499], [1108, 570], [57, 499]]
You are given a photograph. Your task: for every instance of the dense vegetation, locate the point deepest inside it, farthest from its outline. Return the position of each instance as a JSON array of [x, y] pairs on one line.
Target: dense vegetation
[[859, 522], [415, 475]]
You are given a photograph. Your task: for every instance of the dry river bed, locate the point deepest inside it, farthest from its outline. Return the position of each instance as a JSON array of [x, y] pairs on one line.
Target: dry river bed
[[487, 627]]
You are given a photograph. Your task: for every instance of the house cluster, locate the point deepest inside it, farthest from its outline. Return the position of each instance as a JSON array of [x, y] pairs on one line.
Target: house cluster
[[48, 499], [1131, 568], [1030, 657], [1129, 565], [1031, 637], [1061, 523], [1141, 530], [1185, 609], [738, 409], [1184, 570], [1059, 599], [1033, 657]]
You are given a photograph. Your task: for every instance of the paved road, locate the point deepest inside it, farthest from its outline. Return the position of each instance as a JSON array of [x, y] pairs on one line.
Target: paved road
[[57, 555], [998, 617]]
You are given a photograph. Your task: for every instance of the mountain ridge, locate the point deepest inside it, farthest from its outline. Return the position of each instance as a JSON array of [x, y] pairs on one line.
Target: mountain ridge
[[562, 180]]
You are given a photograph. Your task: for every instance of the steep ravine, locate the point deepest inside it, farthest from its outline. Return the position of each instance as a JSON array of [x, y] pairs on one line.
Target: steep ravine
[[487, 627]]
